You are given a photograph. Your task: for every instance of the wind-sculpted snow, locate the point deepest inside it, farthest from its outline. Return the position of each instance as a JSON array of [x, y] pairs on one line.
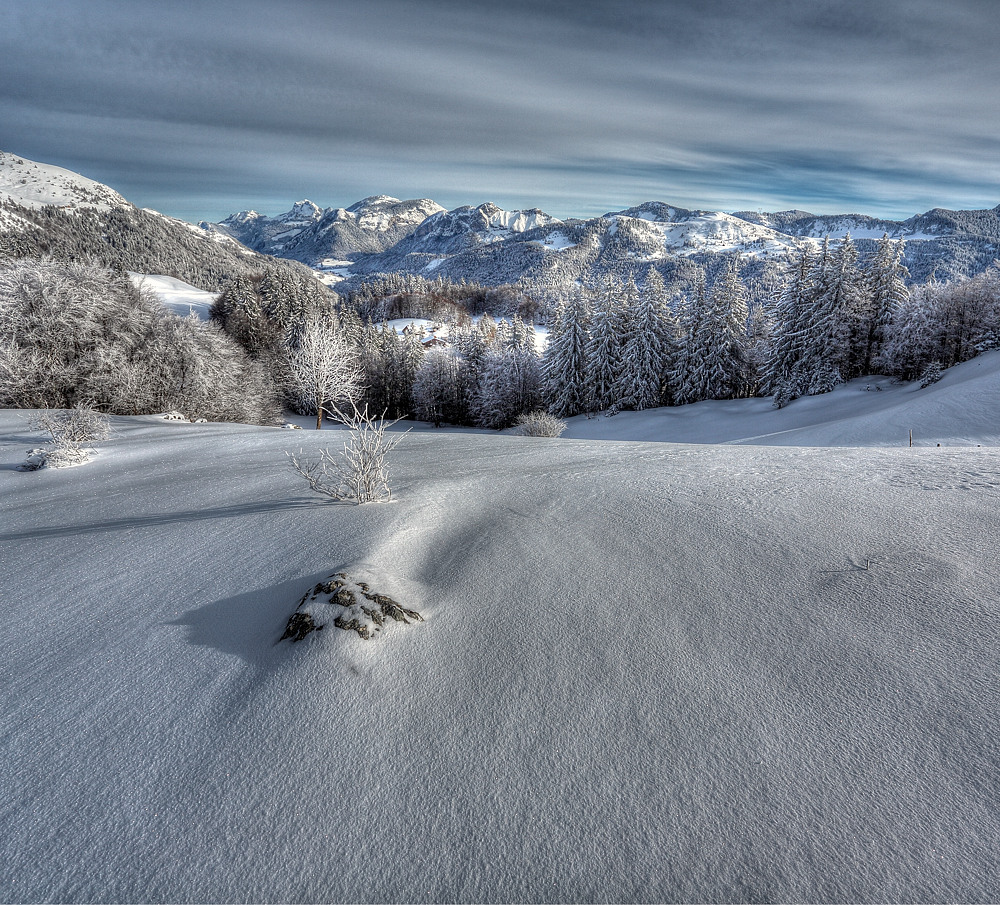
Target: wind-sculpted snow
[[647, 672]]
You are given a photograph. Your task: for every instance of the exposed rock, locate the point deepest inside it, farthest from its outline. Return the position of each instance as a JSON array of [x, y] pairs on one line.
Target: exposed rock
[[347, 604]]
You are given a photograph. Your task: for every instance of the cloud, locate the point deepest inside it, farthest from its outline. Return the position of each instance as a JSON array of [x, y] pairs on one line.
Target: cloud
[[224, 105]]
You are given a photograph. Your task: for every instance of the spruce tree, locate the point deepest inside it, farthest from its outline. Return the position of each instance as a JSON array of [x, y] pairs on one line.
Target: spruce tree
[[604, 342], [564, 366]]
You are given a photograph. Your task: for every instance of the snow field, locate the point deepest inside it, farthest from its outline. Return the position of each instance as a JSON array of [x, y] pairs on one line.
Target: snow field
[[648, 672], [180, 297]]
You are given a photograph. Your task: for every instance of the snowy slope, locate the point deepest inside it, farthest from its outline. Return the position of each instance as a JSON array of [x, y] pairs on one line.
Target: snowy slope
[[180, 297], [648, 672], [962, 409], [34, 185]]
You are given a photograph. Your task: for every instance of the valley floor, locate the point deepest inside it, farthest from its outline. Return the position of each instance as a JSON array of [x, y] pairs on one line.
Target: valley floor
[[648, 672]]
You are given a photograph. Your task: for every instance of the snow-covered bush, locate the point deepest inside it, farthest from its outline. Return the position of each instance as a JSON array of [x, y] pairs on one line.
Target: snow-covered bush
[[358, 473], [932, 374], [76, 332], [80, 424], [68, 430], [539, 424]]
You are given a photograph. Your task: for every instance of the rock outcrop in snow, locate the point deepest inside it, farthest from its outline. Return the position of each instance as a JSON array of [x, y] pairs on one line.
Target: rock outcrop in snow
[[346, 604]]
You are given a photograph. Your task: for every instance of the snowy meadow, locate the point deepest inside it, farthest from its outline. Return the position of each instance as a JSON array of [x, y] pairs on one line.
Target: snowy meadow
[[648, 671]]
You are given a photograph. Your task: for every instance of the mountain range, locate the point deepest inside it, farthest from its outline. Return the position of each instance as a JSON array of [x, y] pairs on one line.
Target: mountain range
[[490, 245], [45, 209]]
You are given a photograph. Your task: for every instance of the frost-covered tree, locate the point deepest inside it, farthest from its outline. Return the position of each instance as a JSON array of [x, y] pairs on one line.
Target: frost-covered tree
[[322, 367], [885, 291], [509, 387], [650, 337], [564, 365], [604, 341], [73, 333], [436, 391]]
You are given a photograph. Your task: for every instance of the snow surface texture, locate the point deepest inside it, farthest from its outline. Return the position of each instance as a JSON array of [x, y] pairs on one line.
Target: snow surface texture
[[648, 671]]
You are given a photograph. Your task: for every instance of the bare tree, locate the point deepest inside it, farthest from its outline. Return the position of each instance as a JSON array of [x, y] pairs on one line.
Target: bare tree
[[358, 473], [323, 372]]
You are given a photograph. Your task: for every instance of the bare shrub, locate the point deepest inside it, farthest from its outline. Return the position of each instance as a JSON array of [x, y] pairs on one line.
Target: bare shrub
[[358, 473], [68, 430], [539, 424], [80, 424]]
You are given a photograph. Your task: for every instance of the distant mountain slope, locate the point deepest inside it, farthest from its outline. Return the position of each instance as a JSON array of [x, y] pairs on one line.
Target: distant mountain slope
[[311, 235], [53, 212], [490, 245]]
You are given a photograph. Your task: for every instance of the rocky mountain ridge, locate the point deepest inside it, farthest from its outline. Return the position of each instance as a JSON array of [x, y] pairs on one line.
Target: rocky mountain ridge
[[490, 245]]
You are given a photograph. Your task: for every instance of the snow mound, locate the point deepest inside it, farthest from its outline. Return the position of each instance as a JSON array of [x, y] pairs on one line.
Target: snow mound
[[180, 297]]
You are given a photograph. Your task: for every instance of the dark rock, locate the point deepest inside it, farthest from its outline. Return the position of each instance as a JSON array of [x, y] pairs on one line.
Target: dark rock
[[354, 607], [300, 625]]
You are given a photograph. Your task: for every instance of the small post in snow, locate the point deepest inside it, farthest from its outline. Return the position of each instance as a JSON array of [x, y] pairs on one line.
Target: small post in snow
[[911, 436]]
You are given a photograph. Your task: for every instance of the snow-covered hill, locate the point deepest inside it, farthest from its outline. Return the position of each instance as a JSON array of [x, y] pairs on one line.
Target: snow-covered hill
[[962, 409], [46, 211], [35, 185], [648, 671]]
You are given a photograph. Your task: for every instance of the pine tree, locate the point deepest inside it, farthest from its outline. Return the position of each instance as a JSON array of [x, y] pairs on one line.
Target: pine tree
[[886, 292], [648, 346], [835, 298], [782, 375], [692, 319], [604, 342], [722, 371], [564, 366], [435, 388]]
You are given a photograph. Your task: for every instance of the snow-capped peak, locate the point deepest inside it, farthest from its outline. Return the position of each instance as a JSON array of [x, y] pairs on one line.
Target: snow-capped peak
[[301, 211]]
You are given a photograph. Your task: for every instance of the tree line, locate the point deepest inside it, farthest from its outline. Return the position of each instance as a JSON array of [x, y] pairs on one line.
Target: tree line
[[74, 333]]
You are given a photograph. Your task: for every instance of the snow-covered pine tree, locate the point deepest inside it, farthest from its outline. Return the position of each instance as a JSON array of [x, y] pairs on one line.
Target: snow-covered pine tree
[[886, 291], [911, 339], [721, 367], [564, 365], [760, 325], [691, 317], [835, 299], [649, 344], [781, 379], [604, 341]]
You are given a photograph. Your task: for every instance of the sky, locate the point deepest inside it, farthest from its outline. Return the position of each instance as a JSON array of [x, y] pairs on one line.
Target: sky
[[204, 108]]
